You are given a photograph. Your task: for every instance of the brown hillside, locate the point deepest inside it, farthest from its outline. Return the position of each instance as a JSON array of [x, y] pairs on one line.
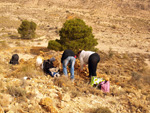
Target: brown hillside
[[122, 28]]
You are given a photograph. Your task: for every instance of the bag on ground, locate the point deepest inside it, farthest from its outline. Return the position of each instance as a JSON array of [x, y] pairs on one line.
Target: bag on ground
[[96, 81], [105, 85]]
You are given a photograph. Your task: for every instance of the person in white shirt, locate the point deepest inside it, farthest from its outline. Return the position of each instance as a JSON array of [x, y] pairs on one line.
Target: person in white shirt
[[91, 58]]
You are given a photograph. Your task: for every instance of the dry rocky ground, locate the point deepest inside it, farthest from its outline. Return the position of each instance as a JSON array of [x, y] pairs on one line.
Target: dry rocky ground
[[122, 29]]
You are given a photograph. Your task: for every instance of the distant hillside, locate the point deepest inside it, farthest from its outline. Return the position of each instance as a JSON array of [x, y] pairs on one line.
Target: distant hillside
[[118, 5], [123, 24]]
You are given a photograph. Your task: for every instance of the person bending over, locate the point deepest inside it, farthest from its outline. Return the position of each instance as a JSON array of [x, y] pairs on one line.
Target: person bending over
[[68, 56], [91, 58]]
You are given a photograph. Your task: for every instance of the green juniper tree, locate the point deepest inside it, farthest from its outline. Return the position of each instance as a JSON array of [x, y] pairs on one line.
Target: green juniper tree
[[27, 29], [75, 35]]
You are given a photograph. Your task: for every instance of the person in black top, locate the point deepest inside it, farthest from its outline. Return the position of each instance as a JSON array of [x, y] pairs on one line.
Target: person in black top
[[68, 56]]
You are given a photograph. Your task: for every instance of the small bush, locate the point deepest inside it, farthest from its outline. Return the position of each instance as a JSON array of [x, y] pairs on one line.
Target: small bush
[[16, 91], [113, 27], [110, 53], [78, 88], [101, 110], [75, 35], [27, 29], [27, 69], [54, 45], [135, 76], [18, 43], [147, 79]]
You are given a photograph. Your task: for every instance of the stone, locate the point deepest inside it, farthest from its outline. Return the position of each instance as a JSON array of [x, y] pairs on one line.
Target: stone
[[47, 104], [66, 97]]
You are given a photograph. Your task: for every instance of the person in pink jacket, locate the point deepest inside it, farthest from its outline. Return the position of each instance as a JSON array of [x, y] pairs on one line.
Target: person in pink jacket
[[91, 58]]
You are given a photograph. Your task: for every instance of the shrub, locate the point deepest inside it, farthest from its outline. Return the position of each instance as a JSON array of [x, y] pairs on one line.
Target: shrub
[[110, 53], [16, 91], [54, 45], [135, 76], [75, 35], [103, 110], [100, 110], [27, 29]]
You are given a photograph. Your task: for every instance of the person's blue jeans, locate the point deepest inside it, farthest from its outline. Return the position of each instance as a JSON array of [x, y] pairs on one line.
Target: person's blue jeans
[[71, 60]]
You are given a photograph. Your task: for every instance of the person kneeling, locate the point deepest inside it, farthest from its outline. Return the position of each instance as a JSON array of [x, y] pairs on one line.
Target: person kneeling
[[49, 68]]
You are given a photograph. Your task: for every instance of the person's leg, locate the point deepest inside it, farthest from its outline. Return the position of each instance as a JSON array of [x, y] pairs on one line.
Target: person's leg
[[94, 67], [72, 63], [90, 67], [93, 61], [65, 63]]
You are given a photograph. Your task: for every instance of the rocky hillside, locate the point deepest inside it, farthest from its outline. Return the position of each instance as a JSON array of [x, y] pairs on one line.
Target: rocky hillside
[[24, 88], [122, 28]]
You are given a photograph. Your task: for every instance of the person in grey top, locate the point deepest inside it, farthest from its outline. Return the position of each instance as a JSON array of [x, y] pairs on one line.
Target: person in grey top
[[91, 58]]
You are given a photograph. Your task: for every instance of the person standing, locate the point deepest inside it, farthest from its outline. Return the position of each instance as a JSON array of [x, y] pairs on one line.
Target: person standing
[[91, 58], [68, 56]]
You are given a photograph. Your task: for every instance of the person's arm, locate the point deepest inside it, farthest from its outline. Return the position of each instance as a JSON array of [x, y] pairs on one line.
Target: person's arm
[[62, 58], [81, 64]]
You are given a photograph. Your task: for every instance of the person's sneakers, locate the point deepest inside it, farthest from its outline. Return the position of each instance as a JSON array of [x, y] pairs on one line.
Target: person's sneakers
[[72, 80]]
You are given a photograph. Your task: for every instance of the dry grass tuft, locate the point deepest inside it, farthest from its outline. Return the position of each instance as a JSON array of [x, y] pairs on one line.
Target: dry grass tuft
[[117, 91], [100, 110], [140, 80], [135, 105], [25, 69], [16, 91], [135, 76], [78, 88], [64, 83], [4, 45], [110, 53], [146, 76]]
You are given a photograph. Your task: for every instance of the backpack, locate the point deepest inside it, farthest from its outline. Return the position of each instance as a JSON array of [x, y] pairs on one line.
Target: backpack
[[14, 59], [54, 72], [48, 67], [105, 86]]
